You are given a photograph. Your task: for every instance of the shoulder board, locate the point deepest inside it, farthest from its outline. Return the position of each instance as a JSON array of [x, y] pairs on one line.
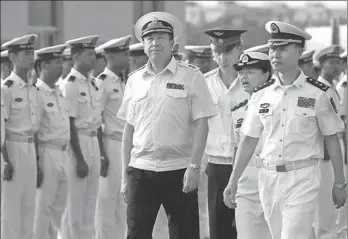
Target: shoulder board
[[37, 88], [264, 85], [188, 65], [72, 78], [140, 68], [102, 76], [344, 84], [8, 83], [211, 72], [318, 84], [241, 104]]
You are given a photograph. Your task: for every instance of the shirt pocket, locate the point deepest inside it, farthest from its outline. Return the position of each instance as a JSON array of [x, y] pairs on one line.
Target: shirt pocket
[[176, 94], [115, 96], [304, 121], [18, 105]]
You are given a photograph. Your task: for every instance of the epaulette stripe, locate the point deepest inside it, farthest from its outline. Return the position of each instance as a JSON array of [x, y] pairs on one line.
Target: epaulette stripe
[[136, 70], [72, 78], [241, 104], [318, 84], [102, 76], [264, 85]]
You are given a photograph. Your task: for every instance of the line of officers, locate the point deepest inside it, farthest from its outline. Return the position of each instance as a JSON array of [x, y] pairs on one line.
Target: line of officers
[[65, 169]]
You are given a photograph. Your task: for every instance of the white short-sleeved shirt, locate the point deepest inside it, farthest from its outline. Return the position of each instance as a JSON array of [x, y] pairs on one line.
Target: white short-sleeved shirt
[[238, 115], [220, 142], [54, 115], [293, 119], [112, 91], [83, 98], [162, 108], [20, 105]]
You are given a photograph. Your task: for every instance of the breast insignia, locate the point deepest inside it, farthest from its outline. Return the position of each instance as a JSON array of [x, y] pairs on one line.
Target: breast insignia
[[318, 84], [8, 83], [102, 77], [72, 78], [264, 85]]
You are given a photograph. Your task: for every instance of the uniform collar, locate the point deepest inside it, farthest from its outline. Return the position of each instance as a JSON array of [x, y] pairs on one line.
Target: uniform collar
[[110, 73], [43, 86], [172, 67], [76, 73], [322, 80], [299, 82], [21, 83], [235, 83]]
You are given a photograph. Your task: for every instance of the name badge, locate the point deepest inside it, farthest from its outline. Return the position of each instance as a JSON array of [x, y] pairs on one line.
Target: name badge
[[175, 86], [305, 102]]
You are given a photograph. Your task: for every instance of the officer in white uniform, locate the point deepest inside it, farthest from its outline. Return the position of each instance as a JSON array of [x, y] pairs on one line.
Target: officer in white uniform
[[306, 64], [253, 69], [67, 65], [111, 208], [295, 114], [20, 166], [6, 66], [200, 56], [226, 91], [53, 139], [325, 217], [165, 106], [83, 99], [137, 56]]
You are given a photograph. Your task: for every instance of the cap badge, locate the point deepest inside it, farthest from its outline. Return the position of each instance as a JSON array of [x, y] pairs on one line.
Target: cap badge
[[221, 41], [245, 58], [218, 33], [274, 28], [155, 23], [336, 49]]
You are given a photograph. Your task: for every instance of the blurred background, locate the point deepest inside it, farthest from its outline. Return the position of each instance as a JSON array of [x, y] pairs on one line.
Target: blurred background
[[58, 21]]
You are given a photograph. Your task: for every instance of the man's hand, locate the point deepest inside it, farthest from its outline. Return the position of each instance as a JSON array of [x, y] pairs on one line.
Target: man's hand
[[230, 196], [339, 196], [81, 168], [8, 171], [104, 167], [39, 178], [191, 180], [124, 187]]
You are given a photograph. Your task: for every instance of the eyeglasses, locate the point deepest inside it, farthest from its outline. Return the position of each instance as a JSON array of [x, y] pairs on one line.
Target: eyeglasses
[[247, 72]]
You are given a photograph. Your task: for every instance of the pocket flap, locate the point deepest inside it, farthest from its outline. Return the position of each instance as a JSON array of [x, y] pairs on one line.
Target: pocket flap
[[304, 112], [174, 93]]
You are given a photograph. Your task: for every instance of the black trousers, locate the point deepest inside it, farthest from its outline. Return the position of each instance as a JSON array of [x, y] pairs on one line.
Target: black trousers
[[147, 191], [221, 217]]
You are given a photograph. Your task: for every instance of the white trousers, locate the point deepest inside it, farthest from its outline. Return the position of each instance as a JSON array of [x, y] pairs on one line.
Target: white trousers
[[78, 219], [325, 213], [250, 220], [51, 197], [18, 195], [111, 208], [289, 201]]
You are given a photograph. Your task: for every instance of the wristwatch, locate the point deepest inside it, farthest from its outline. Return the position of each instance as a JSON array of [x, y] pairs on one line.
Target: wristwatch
[[196, 167], [340, 185]]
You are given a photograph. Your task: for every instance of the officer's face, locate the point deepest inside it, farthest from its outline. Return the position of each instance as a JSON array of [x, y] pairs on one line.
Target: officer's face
[[136, 62], [252, 77], [331, 67], [99, 65], [158, 45], [54, 67], [67, 65], [23, 59], [308, 70], [120, 59], [226, 59], [203, 64], [285, 57], [86, 58]]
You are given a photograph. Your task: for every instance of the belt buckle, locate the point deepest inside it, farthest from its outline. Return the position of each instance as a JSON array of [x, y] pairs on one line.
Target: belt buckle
[[281, 168]]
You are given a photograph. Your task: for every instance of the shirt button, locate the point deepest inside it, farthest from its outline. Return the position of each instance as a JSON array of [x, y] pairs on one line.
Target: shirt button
[[285, 93], [282, 125], [284, 109], [280, 140], [279, 155]]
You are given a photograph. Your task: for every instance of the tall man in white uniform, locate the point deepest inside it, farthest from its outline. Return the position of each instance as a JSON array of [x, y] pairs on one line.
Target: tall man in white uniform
[[83, 99], [295, 114], [325, 217], [53, 139], [166, 107], [20, 169], [226, 91], [111, 208]]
